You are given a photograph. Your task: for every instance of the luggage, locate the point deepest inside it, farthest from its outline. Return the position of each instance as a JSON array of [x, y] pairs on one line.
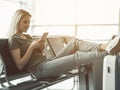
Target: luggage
[[111, 73], [90, 77]]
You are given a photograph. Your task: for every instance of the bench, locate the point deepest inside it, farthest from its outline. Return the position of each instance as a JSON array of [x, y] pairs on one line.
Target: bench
[[67, 38], [11, 72], [56, 44]]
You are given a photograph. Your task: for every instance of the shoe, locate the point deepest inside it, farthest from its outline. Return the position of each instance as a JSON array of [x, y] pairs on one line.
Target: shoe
[[113, 46]]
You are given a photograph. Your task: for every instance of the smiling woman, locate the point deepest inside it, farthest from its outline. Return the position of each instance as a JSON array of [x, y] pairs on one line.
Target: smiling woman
[[95, 20], [20, 23], [24, 24], [25, 55]]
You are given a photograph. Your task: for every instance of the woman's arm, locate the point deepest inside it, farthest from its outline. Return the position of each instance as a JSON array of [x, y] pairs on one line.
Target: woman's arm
[[21, 62]]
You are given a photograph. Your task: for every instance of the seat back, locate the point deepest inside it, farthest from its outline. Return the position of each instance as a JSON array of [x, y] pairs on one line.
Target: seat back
[[67, 38], [10, 66], [56, 44]]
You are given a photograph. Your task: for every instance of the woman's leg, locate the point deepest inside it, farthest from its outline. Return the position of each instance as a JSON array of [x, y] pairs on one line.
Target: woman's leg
[[67, 63], [87, 46], [77, 45], [70, 48]]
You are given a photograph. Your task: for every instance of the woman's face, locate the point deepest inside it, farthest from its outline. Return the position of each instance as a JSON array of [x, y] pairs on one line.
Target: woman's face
[[24, 23]]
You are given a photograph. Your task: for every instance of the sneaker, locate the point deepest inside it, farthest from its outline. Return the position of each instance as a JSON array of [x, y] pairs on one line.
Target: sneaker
[[113, 46]]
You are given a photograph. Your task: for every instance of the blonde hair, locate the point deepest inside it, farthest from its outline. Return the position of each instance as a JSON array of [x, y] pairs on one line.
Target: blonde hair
[[15, 21]]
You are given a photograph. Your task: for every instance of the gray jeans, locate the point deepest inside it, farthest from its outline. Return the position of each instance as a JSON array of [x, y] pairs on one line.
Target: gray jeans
[[75, 53]]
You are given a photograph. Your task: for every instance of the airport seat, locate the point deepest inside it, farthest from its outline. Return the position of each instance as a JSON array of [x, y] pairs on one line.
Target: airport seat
[[86, 80], [55, 43], [7, 59], [11, 72], [67, 38]]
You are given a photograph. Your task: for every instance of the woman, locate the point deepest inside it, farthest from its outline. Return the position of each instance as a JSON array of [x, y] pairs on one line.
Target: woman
[[25, 54]]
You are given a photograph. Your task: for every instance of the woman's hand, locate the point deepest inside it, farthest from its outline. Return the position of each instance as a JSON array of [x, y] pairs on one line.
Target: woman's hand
[[38, 44], [41, 44]]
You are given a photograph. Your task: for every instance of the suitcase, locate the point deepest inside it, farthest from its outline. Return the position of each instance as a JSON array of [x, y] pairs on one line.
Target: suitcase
[[90, 76], [111, 73]]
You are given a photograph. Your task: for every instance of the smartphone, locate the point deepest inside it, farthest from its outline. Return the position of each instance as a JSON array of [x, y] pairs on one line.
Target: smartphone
[[44, 35]]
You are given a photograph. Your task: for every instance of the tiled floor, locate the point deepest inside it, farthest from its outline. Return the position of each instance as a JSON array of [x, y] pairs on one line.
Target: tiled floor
[[70, 84]]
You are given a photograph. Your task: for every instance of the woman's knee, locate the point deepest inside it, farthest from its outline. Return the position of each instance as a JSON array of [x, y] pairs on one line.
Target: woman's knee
[[87, 57]]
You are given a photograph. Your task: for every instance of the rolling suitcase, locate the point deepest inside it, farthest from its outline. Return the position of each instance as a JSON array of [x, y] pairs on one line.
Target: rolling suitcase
[[111, 73]]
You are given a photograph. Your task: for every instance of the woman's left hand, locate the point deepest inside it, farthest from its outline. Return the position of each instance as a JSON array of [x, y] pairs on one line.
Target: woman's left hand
[[41, 44]]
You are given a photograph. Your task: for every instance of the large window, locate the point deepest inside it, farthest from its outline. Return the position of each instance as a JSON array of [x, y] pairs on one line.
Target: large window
[[55, 12], [76, 11], [99, 17], [98, 11], [80, 18], [97, 33], [54, 30]]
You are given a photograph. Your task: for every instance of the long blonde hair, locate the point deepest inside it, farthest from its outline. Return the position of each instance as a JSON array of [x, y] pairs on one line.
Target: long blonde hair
[[15, 21]]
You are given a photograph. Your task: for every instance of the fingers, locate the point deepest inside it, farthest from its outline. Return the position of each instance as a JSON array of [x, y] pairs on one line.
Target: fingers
[[38, 43]]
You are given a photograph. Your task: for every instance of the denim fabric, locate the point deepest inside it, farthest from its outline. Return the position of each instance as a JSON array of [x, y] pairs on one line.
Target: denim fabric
[[75, 53]]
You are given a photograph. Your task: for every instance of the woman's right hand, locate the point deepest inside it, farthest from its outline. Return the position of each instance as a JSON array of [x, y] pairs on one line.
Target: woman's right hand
[[37, 43], [34, 44]]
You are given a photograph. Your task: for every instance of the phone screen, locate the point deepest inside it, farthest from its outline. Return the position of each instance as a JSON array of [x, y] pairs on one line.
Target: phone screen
[[44, 35]]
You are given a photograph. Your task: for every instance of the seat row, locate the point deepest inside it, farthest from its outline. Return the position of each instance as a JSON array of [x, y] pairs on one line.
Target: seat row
[[88, 73]]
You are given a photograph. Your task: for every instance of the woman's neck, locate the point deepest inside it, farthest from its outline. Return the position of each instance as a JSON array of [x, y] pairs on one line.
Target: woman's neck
[[21, 35]]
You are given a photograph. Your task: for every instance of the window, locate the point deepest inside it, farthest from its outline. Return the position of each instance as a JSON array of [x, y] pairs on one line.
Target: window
[[7, 9], [76, 12], [100, 15], [54, 30], [97, 33]]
